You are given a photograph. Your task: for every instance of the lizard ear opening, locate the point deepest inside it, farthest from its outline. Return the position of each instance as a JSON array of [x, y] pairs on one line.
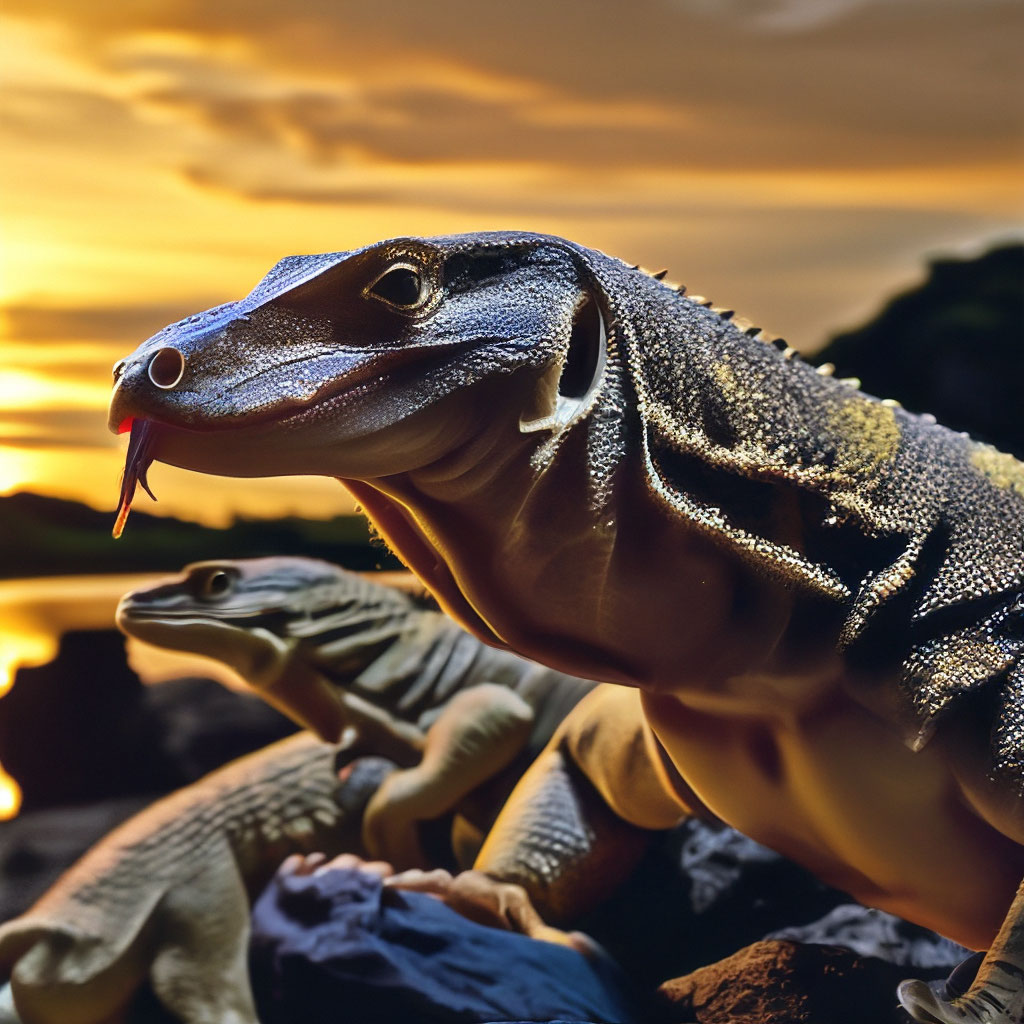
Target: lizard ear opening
[[585, 357], [580, 375]]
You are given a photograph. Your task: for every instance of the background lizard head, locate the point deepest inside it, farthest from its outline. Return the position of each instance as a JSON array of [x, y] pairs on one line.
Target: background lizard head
[[280, 623], [249, 612]]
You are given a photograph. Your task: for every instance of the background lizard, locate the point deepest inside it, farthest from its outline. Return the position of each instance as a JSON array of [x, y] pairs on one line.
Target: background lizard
[[165, 897], [337, 651], [589, 468]]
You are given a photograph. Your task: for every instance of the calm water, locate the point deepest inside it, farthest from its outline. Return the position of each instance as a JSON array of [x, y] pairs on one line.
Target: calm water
[[34, 613]]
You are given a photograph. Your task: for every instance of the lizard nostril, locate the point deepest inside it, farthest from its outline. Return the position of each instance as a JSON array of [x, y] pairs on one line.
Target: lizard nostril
[[119, 369], [166, 368]]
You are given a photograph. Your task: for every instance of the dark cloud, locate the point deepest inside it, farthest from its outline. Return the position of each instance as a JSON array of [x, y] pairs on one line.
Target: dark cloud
[[861, 84], [785, 16], [41, 115], [893, 95]]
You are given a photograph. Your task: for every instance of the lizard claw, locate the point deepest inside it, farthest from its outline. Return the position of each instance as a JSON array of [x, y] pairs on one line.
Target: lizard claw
[[1000, 1000], [318, 864], [490, 902]]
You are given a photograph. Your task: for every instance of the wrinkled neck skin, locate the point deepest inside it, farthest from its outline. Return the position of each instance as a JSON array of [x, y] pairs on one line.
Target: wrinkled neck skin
[[625, 591], [625, 594]]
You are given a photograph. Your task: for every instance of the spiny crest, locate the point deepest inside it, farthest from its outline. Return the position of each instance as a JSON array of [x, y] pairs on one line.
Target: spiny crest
[[751, 330]]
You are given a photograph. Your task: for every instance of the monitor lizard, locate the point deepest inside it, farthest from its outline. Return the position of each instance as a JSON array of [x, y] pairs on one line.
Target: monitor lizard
[[818, 594], [164, 898], [337, 651]]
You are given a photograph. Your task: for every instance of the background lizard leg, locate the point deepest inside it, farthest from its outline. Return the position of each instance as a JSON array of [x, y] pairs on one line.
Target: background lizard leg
[[480, 731], [201, 971]]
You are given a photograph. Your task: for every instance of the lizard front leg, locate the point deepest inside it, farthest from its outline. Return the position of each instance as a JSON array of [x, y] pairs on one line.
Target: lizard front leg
[[574, 827], [997, 993], [479, 733]]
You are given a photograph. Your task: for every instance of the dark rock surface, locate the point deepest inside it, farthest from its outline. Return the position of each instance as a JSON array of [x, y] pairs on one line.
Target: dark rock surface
[[38, 846], [874, 933], [706, 891], [76, 729]]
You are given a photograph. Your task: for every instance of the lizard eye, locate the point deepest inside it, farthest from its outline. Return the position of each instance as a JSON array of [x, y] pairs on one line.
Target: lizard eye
[[402, 285], [216, 584]]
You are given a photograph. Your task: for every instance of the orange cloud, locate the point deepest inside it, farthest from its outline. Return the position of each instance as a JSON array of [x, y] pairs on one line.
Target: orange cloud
[[795, 160]]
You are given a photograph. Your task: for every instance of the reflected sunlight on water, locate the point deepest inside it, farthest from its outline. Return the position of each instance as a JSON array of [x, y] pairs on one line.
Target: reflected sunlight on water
[[34, 613], [39, 610], [10, 796]]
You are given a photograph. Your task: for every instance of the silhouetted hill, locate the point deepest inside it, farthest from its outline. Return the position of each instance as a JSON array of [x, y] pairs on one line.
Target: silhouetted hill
[[953, 346], [47, 536]]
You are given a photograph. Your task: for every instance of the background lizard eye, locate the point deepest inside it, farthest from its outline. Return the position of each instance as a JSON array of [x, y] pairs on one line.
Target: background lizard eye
[[400, 286], [216, 584]]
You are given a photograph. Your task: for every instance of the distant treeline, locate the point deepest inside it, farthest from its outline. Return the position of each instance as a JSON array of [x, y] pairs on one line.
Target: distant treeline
[[953, 346], [46, 537]]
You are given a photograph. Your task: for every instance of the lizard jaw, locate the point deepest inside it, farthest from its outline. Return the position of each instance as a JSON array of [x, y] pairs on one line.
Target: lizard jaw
[[422, 558]]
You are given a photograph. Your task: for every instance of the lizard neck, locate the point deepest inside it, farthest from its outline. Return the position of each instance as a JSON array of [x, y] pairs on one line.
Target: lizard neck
[[621, 592]]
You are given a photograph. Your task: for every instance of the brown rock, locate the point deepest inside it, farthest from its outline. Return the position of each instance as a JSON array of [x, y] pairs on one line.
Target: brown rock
[[782, 982]]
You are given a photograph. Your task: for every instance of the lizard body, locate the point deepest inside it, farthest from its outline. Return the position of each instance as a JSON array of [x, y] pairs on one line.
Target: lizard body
[[336, 651], [591, 469], [165, 897]]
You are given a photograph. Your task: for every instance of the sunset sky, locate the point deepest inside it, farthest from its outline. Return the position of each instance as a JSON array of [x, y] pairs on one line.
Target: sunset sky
[[796, 160]]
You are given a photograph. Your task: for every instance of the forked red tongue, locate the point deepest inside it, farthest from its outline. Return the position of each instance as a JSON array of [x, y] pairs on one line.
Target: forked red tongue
[[136, 463]]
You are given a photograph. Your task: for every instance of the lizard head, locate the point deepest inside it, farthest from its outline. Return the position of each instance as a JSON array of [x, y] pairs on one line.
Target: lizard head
[[278, 622], [365, 363]]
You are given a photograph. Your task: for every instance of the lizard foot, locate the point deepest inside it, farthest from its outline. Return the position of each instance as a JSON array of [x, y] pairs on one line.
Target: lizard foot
[[488, 901], [998, 999], [317, 863]]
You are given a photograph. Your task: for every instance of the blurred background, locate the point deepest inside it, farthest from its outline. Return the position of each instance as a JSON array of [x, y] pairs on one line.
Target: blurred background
[[805, 162]]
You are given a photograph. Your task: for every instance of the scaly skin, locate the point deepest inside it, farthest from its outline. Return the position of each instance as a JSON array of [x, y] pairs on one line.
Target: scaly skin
[[818, 593], [339, 652], [164, 898]]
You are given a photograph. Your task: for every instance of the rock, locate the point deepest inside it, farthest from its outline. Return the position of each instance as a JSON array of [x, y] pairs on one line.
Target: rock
[[203, 725], [76, 730], [783, 982], [871, 932], [704, 890], [84, 727]]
